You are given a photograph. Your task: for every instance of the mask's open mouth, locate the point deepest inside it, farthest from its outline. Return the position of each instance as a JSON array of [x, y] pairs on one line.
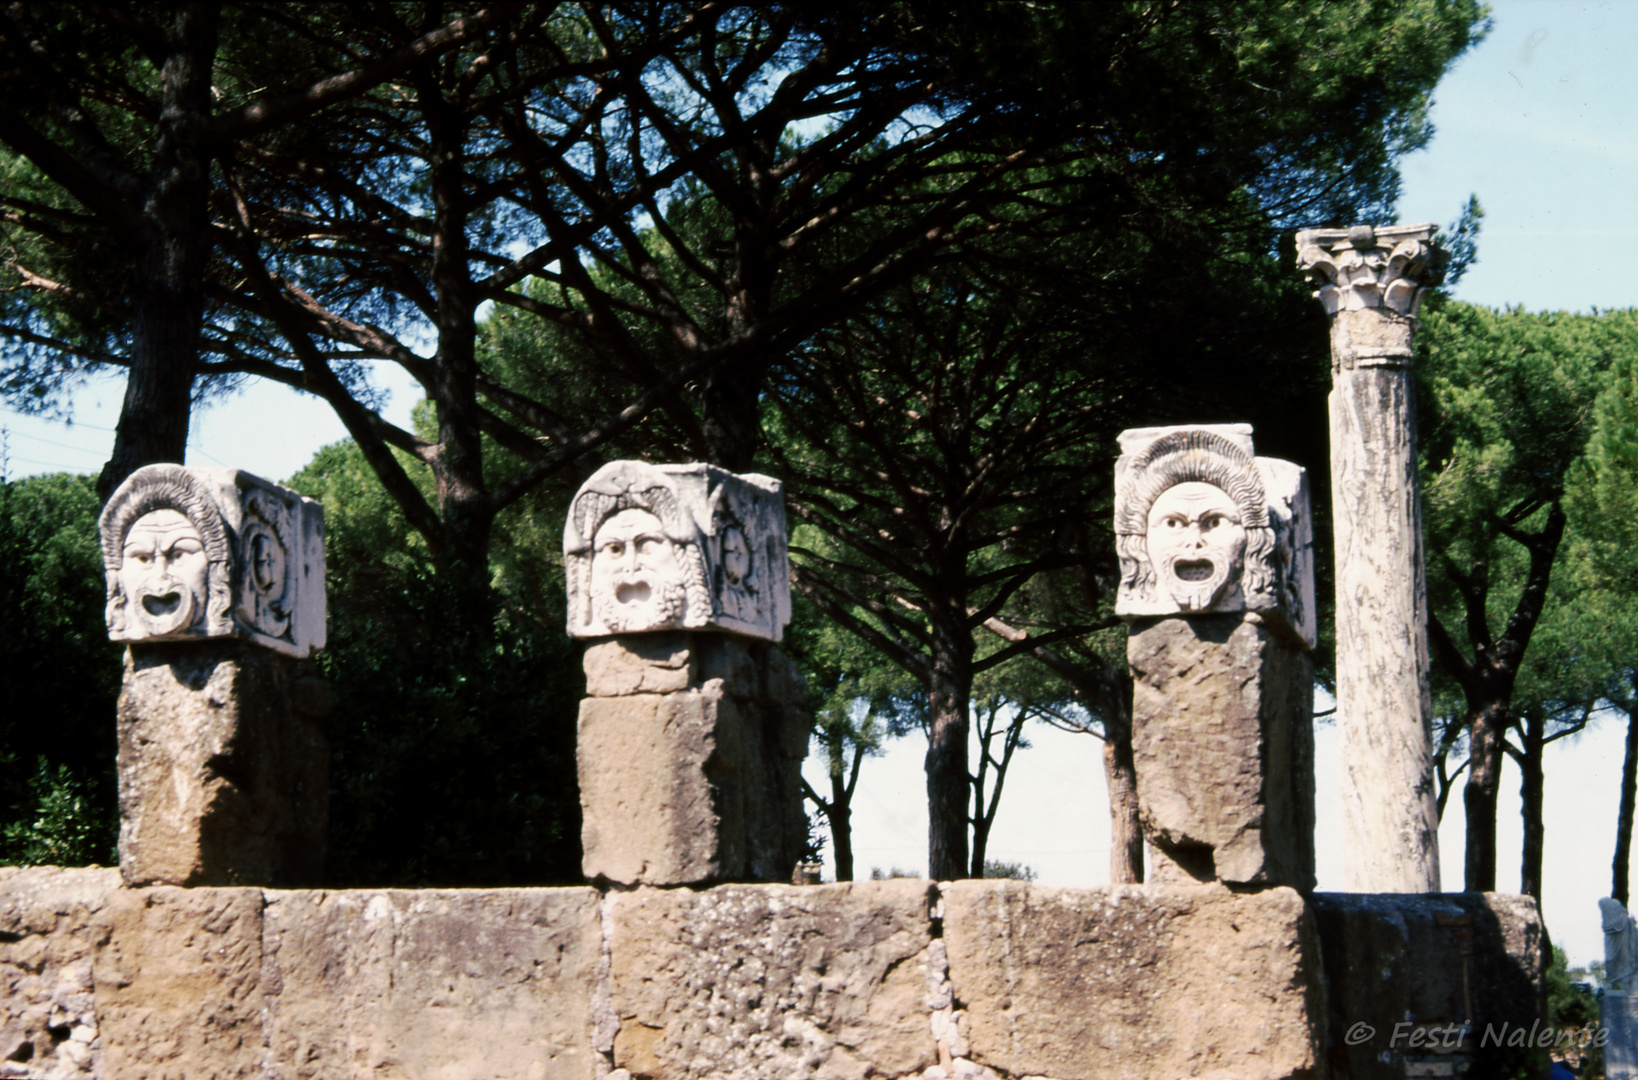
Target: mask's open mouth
[[636, 592], [1194, 570], [161, 605]]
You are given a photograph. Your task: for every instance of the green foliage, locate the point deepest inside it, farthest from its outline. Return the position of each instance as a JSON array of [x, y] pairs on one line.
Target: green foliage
[[1567, 1005], [69, 825], [1460, 242], [62, 679], [995, 868], [1572, 1007], [894, 874], [1507, 400], [452, 737], [1603, 498]]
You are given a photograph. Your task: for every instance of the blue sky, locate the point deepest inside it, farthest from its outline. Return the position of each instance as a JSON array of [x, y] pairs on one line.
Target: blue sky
[[1540, 121]]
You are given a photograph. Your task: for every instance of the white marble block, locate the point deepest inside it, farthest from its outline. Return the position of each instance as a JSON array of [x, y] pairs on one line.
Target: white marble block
[[1204, 526], [214, 553], [677, 547]]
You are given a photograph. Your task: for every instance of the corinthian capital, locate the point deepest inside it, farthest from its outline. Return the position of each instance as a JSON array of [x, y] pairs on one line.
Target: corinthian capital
[[1363, 267], [1371, 282]]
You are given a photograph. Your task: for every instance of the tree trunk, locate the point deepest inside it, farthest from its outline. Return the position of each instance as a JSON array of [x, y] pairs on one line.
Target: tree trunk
[[733, 431], [458, 466], [980, 819], [1120, 772], [948, 783], [1623, 822], [168, 283], [985, 806], [1531, 791], [1485, 734], [839, 813], [1125, 830]]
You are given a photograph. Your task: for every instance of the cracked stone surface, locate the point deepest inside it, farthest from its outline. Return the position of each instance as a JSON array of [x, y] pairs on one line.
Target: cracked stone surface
[[768, 982], [48, 938], [1135, 981]]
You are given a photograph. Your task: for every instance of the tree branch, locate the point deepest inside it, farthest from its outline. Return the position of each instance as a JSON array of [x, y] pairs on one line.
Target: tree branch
[[259, 116]]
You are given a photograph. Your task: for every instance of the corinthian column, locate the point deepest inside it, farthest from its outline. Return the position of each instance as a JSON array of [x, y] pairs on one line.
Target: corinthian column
[[1371, 282]]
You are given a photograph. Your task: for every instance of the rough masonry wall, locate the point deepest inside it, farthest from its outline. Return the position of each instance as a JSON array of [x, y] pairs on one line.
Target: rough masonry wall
[[1475, 958], [893, 979], [770, 982], [1179, 982], [49, 937]]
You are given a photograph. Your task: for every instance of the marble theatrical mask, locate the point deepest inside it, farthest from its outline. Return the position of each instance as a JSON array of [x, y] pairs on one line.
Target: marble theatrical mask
[[1196, 543], [636, 576], [164, 574]]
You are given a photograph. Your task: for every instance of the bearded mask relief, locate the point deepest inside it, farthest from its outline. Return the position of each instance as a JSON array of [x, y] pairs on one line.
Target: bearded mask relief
[[1202, 525], [676, 547], [1197, 544], [636, 576]]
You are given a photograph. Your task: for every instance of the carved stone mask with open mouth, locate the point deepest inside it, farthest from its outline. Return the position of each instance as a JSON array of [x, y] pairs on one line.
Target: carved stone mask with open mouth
[[1196, 544], [164, 573], [636, 579]]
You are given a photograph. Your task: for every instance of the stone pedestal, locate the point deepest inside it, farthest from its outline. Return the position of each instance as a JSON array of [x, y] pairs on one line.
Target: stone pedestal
[[223, 770], [1618, 1012], [1223, 744], [1136, 981], [690, 749], [1437, 985], [1371, 282]]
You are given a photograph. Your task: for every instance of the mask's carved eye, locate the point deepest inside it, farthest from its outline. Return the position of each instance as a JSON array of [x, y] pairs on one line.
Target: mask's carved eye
[[649, 545], [614, 549]]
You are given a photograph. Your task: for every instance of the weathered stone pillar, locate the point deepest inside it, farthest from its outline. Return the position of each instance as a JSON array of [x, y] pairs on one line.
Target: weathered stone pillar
[[1371, 283], [694, 725], [216, 581], [1618, 1009], [1217, 585]]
